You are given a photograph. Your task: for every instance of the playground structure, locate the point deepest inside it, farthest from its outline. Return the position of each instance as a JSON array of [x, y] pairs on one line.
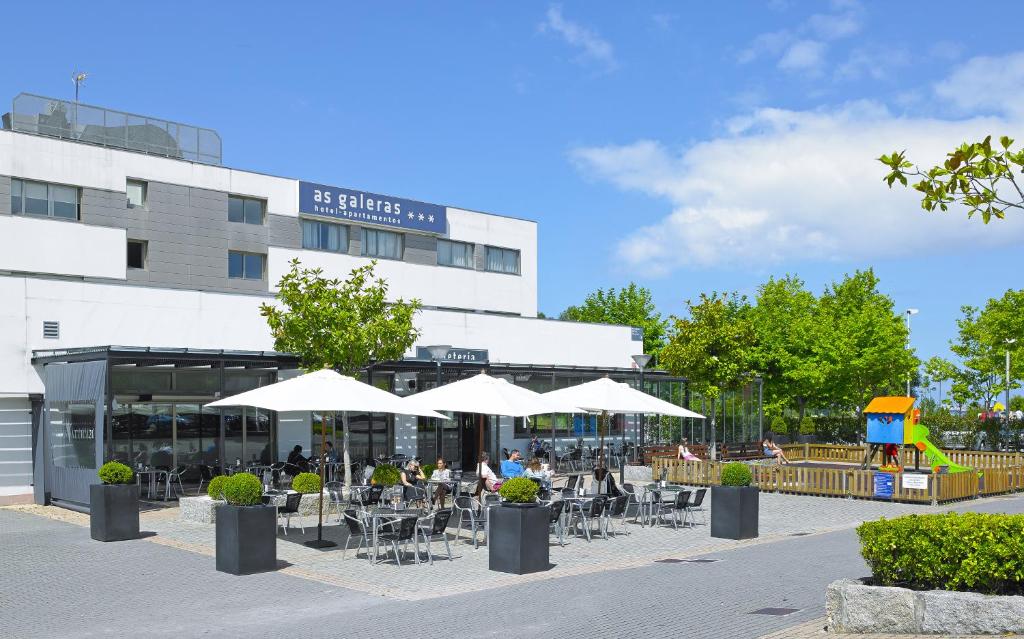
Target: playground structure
[[893, 420]]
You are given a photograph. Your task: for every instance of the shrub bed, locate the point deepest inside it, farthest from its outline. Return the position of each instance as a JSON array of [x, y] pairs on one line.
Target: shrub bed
[[114, 472], [736, 474], [519, 490], [306, 483], [386, 475], [216, 487], [975, 552], [243, 489]]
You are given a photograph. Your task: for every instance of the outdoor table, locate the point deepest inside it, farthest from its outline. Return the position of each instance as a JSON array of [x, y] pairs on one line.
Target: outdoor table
[[646, 509], [152, 480]]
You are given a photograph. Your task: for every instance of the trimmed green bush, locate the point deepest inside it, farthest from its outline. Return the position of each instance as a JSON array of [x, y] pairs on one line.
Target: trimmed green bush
[[975, 552], [428, 469], [779, 425], [519, 490], [306, 483], [243, 489], [114, 472], [806, 426], [386, 475], [736, 474], [216, 487]]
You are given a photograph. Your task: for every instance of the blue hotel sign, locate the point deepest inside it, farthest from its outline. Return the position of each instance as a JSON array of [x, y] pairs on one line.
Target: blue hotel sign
[[369, 208]]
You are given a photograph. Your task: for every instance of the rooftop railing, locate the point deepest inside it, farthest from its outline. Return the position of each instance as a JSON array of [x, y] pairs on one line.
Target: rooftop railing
[[68, 120]]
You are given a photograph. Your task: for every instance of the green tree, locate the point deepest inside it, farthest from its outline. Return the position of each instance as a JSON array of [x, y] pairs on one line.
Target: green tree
[[342, 325], [865, 353], [711, 347], [785, 350], [630, 306], [984, 179], [983, 338]]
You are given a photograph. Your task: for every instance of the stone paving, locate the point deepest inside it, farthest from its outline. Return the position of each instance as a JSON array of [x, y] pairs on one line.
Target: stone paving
[[59, 583]]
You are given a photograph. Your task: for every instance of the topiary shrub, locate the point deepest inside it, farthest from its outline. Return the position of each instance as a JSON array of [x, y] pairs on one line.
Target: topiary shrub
[[386, 475], [953, 551], [306, 483], [216, 488], [806, 426], [428, 469], [114, 472], [243, 489], [779, 426], [519, 490], [736, 474]]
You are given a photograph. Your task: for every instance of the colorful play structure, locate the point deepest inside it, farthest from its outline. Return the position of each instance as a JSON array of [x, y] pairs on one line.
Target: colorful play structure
[[893, 420]]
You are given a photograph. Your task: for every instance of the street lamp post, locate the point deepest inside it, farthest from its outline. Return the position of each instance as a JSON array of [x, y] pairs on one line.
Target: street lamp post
[[437, 353], [1006, 408], [641, 361], [760, 407], [909, 312]]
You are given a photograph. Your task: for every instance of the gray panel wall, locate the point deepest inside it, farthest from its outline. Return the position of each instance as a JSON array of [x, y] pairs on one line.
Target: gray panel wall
[[5, 195], [420, 249], [15, 442]]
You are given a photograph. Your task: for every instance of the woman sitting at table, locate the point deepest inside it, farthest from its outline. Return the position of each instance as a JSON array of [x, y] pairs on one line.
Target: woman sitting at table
[[486, 479], [440, 474], [684, 452], [534, 471], [412, 474]]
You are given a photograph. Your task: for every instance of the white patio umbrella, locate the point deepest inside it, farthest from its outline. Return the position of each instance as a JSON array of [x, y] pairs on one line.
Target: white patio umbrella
[[324, 391], [486, 395], [604, 395]]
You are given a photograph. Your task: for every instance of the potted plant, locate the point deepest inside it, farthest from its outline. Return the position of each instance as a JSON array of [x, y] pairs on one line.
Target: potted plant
[[517, 538], [114, 504], [306, 483], [246, 529], [215, 489], [734, 504]]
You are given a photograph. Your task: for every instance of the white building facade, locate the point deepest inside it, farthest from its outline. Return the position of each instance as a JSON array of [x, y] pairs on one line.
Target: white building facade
[[125, 257]]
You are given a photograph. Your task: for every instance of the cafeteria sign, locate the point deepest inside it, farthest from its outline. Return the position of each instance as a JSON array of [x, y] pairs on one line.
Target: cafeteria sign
[[472, 355], [370, 208]]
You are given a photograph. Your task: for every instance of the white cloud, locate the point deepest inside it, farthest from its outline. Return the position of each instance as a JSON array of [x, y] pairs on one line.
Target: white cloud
[[872, 61], [803, 55], [843, 23], [592, 47], [987, 84], [791, 186]]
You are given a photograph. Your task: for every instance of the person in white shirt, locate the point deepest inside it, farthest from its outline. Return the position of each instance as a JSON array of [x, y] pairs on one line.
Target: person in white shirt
[[486, 479], [441, 474]]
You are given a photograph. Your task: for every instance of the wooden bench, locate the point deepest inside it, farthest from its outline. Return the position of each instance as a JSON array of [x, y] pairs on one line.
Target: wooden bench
[[742, 451], [672, 451]]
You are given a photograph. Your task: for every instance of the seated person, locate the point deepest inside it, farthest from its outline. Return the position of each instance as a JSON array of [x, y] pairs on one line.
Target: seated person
[[486, 479], [411, 476], [534, 471], [441, 473], [297, 463], [511, 467], [684, 453], [772, 451], [330, 455]]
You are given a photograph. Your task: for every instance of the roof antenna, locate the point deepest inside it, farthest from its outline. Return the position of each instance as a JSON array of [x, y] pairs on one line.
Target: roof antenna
[[78, 77]]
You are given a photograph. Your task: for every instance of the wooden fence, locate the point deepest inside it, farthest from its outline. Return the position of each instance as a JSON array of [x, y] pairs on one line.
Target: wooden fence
[[978, 459], [852, 482]]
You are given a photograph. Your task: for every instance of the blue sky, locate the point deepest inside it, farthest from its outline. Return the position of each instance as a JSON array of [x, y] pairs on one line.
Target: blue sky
[[687, 146]]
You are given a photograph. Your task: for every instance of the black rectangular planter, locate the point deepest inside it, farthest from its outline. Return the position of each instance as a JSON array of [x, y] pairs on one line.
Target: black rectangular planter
[[734, 511], [517, 541], [114, 512], [246, 539]]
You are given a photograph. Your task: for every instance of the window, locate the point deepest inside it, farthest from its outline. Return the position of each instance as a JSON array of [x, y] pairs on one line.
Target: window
[[40, 198], [502, 260], [382, 244], [245, 266], [324, 236], [451, 253], [245, 209], [136, 192], [136, 254]]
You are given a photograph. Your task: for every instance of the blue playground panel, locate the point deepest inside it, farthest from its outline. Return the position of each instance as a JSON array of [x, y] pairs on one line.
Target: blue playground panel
[[885, 428]]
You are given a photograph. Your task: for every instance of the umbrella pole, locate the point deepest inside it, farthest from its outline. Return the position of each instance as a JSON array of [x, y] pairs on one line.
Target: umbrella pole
[[320, 542]]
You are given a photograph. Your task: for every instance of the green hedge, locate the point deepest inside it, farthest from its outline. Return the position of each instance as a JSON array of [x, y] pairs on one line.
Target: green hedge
[[306, 483], [970, 551], [386, 475], [114, 472], [428, 469], [736, 474], [519, 490], [216, 488], [243, 489]]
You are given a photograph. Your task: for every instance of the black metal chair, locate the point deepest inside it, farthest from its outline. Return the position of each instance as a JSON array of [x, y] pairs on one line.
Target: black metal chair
[[555, 522], [356, 528], [335, 490], [398, 531], [616, 509], [368, 497], [695, 506], [205, 475], [291, 507], [432, 527], [676, 506], [590, 511], [471, 513]]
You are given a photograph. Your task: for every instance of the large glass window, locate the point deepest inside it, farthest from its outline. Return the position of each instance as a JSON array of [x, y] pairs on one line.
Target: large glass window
[[324, 236], [246, 266], [503, 260], [450, 253], [382, 244], [40, 198], [245, 209], [73, 434]]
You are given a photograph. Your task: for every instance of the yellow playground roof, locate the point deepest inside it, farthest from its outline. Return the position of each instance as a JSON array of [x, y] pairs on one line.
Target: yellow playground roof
[[890, 405]]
